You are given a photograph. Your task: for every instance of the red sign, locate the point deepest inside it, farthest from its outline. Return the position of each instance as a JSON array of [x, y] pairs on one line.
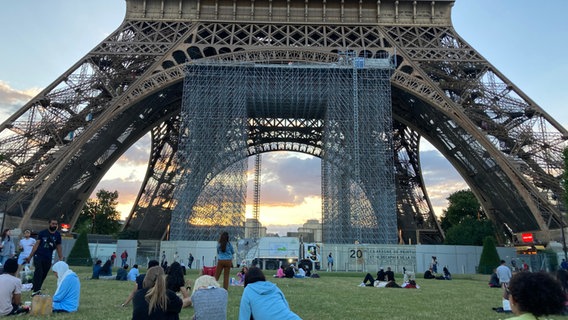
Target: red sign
[[527, 237]]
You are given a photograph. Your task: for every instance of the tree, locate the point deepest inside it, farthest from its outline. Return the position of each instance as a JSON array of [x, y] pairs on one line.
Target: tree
[[100, 215], [489, 259], [462, 204], [464, 222], [80, 254], [469, 232]]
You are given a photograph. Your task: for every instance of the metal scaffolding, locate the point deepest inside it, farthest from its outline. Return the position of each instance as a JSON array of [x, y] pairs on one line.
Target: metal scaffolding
[[357, 167], [212, 191], [351, 97]]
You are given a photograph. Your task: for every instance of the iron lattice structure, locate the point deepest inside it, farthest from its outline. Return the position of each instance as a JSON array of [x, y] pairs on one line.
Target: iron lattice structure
[[57, 147]]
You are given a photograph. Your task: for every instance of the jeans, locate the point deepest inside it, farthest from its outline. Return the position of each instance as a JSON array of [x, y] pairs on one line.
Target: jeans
[[369, 277]]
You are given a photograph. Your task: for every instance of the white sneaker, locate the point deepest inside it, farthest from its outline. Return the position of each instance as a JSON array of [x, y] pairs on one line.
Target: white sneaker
[[362, 284]]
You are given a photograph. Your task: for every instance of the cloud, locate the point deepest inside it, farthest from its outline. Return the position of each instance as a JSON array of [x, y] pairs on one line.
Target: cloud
[[11, 100], [441, 179]]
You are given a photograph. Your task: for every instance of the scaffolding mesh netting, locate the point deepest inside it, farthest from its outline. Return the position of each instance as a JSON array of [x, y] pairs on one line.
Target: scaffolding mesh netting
[[351, 97]]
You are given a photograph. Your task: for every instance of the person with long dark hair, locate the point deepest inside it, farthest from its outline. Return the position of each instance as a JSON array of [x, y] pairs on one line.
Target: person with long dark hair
[[263, 300], [7, 248], [535, 294], [224, 259], [154, 301], [176, 282]]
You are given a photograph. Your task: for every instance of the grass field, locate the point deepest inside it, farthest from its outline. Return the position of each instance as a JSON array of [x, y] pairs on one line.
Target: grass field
[[332, 296]]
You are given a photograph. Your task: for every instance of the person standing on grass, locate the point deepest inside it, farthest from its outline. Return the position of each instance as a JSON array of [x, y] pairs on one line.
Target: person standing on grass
[[263, 300], [190, 260], [329, 262], [26, 245], [504, 274], [533, 295], [124, 257], [7, 247], [42, 253], [224, 259]]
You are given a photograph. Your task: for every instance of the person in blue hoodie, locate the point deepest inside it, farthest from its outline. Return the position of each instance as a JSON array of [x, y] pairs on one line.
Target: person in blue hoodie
[[67, 294], [263, 300]]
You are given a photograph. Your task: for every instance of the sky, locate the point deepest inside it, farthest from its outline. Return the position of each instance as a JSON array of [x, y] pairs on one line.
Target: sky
[[524, 39]]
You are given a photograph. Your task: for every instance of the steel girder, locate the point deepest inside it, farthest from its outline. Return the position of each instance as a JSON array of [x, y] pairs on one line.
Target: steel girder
[[59, 145]]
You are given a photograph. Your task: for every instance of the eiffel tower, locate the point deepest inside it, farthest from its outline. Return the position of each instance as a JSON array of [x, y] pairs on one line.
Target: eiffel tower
[[59, 145]]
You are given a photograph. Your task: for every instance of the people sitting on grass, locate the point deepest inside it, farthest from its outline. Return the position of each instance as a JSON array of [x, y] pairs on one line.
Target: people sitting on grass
[[154, 301], [382, 278], [300, 273], [307, 271], [368, 281], [68, 292], [407, 276], [97, 269], [10, 290], [122, 273], [446, 274], [381, 275], [209, 299], [389, 274], [428, 274], [289, 271], [106, 270], [175, 281], [535, 294], [494, 280], [280, 272], [139, 281], [411, 284], [133, 273], [263, 300], [241, 276]]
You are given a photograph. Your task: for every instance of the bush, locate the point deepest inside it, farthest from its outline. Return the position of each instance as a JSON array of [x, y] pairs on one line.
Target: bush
[[80, 254], [489, 259]]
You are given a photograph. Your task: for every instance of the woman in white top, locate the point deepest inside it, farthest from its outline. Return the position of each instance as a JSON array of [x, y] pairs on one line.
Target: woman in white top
[[26, 245]]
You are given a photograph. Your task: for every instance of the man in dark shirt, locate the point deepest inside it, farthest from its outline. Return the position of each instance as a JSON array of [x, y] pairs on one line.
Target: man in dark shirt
[[389, 274], [381, 275], [42, 252]]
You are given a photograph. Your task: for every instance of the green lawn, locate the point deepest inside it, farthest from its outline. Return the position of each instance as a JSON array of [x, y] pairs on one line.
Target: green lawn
[[333, 296]]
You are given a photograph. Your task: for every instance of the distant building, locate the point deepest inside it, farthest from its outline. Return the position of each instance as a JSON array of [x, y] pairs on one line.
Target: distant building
[[250, 225], [310, 231]]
